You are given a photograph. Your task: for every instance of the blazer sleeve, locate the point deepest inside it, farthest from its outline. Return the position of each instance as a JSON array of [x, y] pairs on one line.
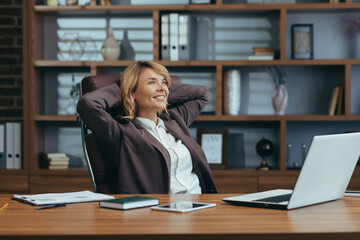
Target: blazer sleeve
[[188, 100], [93, 108]]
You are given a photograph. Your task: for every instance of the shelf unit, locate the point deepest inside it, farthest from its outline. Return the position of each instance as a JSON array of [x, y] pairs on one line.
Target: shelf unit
[[36, 123]]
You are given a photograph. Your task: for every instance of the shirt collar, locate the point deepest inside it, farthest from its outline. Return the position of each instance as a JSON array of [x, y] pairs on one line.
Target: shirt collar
[[149, 124]]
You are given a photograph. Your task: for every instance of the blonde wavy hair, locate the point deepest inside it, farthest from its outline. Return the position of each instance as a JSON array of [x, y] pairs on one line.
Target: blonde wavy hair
[[129, 81]]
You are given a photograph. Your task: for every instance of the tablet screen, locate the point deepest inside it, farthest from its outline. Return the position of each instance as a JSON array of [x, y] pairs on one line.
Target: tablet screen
[[183, 206]]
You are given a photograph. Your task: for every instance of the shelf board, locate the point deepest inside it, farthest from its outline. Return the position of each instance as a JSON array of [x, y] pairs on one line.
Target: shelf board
[[188, 7], [223, 118], [60, 172], [13, 172], [190, 63], [55, 118], [279, 118], [194, 7], [321, 118], [244, 172]]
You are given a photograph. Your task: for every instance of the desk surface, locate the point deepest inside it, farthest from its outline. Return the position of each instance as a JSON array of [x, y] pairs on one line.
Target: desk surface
[[334, 220]]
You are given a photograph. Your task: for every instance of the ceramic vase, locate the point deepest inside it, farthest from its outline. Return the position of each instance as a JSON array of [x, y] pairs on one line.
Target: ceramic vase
[[232, 84], [110, 49], [127, 52], [279, 99]]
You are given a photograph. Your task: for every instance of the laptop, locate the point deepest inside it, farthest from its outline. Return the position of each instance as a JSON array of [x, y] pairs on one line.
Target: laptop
[[324, 177]]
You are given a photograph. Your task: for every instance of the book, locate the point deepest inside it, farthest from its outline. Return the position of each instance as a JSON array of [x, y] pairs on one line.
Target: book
[[200, 1], [52, 167], [261, 57], [265, 53], [262, 49], [56, 162], [129, 202], [55, 155], [333, 100], [340, 100]]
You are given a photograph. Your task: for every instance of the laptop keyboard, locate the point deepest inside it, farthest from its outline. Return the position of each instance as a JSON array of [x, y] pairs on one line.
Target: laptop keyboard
[[276, 199]]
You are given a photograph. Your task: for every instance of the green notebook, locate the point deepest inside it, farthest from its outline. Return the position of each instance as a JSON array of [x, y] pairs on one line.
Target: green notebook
[[129, 202]]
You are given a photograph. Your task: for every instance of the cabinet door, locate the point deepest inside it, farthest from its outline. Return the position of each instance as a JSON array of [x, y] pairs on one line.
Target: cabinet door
[[14, 184], [46, 183], [229, 183], [355, 181], [274, 182]]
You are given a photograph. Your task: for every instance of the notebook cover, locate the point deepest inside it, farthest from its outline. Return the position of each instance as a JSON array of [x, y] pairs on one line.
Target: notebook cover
[[129, 202]]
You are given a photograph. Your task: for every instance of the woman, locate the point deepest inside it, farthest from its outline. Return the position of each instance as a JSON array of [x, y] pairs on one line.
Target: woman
[[149, 144]]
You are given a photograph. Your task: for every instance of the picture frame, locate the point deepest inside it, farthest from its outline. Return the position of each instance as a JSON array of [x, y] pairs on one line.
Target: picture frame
[[214, 144], [302, 41]]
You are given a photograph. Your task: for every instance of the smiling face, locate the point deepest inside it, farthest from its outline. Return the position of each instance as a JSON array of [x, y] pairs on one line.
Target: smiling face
[[151, 93]]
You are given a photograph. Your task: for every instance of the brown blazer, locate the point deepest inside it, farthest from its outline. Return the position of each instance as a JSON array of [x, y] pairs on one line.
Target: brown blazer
[[142, 164]]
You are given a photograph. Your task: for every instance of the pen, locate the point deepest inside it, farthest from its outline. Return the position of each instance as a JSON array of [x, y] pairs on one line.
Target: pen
[[3, 207], [51, 206], [357, 192]]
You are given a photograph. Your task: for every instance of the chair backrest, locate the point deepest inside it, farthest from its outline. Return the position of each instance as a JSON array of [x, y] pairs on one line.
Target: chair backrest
[[101, 169]]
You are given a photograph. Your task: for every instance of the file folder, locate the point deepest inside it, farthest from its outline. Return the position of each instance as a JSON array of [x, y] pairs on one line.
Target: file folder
[[202, 38], [17, 145], [9, 145], [174, 36], [2, 146], [165, 33], [184, 37]]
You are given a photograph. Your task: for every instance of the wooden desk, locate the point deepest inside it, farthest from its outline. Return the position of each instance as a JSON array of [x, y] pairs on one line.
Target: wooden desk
[[334, 220]]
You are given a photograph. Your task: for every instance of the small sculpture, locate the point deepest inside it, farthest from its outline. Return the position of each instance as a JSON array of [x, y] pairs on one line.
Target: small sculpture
[[264, 148]]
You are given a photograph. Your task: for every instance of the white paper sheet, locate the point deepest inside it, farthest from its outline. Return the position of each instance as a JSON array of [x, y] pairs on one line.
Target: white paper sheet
[[55, 198]]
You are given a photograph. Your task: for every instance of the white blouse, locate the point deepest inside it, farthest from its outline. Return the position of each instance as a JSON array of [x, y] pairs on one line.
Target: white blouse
[[182, 179]]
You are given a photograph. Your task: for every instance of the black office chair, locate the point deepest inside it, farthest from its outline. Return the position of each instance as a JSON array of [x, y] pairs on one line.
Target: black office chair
[[101, 169]]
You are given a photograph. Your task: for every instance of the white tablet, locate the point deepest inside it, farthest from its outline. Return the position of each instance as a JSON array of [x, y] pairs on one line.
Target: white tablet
[[183, 206]]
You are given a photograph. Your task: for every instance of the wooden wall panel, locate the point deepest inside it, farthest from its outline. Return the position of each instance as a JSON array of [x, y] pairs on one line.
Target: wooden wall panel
[[47, 184], [273, 182], [14, 184], [236, 184], [354, 184]]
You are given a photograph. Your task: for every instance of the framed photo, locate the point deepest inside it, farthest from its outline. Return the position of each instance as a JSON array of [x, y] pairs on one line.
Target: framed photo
[[214, 144], [302, 41]]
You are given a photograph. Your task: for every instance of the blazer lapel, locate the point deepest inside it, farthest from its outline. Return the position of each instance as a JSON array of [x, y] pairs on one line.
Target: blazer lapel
[[175, 130], [153, 141]]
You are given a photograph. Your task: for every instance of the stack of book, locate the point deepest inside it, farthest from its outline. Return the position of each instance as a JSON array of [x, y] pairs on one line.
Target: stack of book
[[54, 161], [262, 53]]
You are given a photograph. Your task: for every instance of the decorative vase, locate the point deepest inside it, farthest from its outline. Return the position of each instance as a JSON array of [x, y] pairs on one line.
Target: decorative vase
[[232, 83], [110, 49], [279, 99], [126, 50]]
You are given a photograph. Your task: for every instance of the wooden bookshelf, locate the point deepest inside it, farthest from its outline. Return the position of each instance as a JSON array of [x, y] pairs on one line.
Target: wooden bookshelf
[[229, 180]]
